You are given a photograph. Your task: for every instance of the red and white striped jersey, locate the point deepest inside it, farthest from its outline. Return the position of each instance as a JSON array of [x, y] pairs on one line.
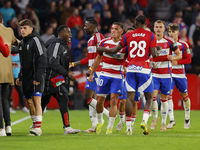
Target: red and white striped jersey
[[112, 64], [139, 42], [161, 66], [178, 71], [93, 43]]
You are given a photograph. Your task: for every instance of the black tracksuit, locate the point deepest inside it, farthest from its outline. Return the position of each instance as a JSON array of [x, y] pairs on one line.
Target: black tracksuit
[[33, 63], [57, 64]]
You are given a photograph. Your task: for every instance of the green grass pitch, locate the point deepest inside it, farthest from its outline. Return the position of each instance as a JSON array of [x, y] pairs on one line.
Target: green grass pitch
[[53, 139]]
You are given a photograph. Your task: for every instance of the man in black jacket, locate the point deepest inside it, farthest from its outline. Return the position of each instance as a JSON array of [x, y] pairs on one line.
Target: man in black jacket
[[32, 74], [58, 69]]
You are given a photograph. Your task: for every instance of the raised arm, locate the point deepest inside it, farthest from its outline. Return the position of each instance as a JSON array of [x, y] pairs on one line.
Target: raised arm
[[114, 50]]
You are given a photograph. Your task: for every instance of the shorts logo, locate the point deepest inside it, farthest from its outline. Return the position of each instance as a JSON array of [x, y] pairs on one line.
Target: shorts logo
[[168, 92], [134, 67], [118, 91], [87, 85], [185, 90]]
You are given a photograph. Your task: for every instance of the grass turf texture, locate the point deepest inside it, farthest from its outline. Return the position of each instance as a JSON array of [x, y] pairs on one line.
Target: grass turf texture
[[53, 138]]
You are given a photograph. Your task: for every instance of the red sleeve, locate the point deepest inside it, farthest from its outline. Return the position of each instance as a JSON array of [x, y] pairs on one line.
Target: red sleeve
[[153, 41], [123, 41], [186, 55], [84, 61], [4, 48]]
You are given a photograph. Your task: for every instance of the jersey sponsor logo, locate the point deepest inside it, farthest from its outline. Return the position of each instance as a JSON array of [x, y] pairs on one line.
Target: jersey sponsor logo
[[188, 51], [163, 52], [114, 55], [138, 34], [134, 67], [90, 50]]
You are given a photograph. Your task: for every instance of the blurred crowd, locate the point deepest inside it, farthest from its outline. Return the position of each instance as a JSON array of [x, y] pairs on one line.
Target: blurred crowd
[[47, 15]]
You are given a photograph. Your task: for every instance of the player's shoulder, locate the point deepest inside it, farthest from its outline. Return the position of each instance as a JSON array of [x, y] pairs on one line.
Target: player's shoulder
[[106, 39], [183, 42], [168, 39]]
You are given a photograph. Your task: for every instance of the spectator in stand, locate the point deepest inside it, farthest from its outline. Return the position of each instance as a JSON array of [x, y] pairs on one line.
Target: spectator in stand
[[88, 12], [114, 4], [132, 9], [195, 12], [140, 12], [106, 7], [48, 34], [119, 14], [52, 13], [178, 5], [16, 7], [22, 5], [97, 17], [143, 4], [194, 33], [183, 36], [75, 21], [30, 14], [65, 10], [98, 4], [14, 25], [196, 57], [54, 25], [78, 43], [8, 12], [107, 22]]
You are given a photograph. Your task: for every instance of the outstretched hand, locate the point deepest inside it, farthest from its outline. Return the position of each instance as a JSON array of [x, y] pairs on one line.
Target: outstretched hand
[[71, 76], [159, 48]]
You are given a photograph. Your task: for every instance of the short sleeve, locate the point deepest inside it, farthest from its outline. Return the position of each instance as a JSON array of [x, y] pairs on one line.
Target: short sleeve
[[153, 41], [123, 41]]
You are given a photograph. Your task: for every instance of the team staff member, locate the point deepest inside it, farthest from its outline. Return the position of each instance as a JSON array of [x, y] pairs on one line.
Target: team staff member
[[6, 78], [58, 64], [32, 74]]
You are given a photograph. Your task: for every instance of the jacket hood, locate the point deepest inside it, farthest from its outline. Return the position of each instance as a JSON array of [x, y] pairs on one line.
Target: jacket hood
[[54, 39]]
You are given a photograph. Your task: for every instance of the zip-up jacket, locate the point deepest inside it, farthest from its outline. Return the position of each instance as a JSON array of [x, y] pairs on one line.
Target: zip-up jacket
[[33, 62], [57, 63]]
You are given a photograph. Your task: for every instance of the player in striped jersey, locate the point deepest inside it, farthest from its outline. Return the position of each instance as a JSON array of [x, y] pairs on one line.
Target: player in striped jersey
[[141, 43], [161, 72], [111, 78], [179, 77], [90, 28]]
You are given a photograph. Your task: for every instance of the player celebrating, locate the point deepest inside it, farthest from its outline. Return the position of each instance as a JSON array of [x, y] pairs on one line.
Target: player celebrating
[[90, 28], [161, 72], [178, 77], [140, 43], [111, 79]]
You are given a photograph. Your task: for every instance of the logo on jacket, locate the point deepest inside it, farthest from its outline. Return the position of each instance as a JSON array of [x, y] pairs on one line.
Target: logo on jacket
[[28, 47]]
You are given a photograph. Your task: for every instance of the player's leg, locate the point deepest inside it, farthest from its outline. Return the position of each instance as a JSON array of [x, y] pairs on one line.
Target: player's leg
[[171, 111], [99, 108], [112, 112], [122, 104], [154, 110], [38, 114], [45, 101], [134, 113]]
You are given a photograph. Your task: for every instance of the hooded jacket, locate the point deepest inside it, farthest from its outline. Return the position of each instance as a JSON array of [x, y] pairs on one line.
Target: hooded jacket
[[33, 62], [57, 64]]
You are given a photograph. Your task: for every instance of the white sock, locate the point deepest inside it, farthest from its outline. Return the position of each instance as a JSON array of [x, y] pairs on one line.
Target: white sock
[[155, 109], [93, 103], [111, 122], [100, 117], [33, 118], [38, 118], [93, 117], [128, 126], [187, 109], [122, 116], [146, 116], [164, 110], [171, 110]]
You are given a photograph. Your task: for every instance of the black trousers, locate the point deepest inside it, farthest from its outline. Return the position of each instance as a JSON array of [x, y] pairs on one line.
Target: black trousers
[[62, 100], [4, 105]]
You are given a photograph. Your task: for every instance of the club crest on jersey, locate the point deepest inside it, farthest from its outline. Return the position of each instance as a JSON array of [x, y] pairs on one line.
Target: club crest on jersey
[[165, 45], [134, 67]]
